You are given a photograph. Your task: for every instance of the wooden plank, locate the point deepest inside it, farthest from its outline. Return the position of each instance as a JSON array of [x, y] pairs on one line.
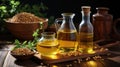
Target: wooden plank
[[65, 58], [110, 63], [10, 61], [88, 63]]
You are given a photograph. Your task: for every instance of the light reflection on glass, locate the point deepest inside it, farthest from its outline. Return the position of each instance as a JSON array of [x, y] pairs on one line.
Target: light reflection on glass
[[50, 57], [54, 66], [92, 63], [91, 51], [53, 57]]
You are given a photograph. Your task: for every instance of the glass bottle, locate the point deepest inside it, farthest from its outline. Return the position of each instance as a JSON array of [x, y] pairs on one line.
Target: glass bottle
[[47, 44], [67, 33], [85, 32], [102, 23]]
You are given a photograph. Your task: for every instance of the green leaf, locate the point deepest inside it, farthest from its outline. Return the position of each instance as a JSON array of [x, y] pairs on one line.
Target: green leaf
[[35, 34], [12, 2], [24, 43], [2, 7], [17, 3], [17, 42]]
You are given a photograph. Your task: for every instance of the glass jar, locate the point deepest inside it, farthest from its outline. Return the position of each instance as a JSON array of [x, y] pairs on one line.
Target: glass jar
[[67, 33], [47, 44], [102, 22], [85, 32]]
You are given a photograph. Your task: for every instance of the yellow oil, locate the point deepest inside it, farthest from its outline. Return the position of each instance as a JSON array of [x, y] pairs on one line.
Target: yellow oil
[[48, 47], [86, 43], [67, 40]]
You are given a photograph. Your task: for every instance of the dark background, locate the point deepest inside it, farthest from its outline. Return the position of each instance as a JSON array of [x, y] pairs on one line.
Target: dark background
[[56, 7]]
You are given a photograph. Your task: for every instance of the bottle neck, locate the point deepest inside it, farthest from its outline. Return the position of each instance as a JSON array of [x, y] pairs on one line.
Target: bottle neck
[[102, 11], [86, 17], [48, 35], [67, 19]]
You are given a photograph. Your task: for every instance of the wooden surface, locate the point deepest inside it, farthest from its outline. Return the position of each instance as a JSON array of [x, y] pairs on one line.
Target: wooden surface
[[12, 62], [66, 57], [111, 60]]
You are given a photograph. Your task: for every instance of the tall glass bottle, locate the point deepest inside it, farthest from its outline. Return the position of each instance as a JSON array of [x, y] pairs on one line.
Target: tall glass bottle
[[86, 31], [67, 33]]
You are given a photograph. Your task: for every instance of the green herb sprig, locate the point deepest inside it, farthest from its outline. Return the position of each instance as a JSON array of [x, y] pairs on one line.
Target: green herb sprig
[[31, 44]]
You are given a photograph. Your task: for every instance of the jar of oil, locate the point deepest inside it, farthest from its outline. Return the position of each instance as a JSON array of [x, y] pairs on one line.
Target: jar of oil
[[86, 42], [48, 44], [67, 33], [86, 32]]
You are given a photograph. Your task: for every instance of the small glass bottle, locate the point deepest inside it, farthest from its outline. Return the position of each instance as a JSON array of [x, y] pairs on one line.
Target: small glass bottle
[[102, 23], [67, 33], [47, 45], [85, 32]]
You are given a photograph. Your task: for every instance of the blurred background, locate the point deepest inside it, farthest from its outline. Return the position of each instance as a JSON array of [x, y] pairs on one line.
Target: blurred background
[[56, 7], [52, 9]]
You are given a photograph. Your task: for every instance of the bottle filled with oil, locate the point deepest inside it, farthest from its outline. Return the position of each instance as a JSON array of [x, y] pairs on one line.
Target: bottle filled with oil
[[85, 32], [47, 44], [67, 33]]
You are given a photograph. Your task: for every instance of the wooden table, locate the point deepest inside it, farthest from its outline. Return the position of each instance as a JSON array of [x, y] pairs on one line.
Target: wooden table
[[6, 60]]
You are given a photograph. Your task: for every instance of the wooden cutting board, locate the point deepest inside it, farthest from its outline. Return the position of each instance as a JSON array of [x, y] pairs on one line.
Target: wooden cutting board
[[63, 57]]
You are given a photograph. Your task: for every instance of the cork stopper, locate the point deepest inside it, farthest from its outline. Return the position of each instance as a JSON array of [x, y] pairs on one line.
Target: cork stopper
[[102, 8], [86, 9]]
